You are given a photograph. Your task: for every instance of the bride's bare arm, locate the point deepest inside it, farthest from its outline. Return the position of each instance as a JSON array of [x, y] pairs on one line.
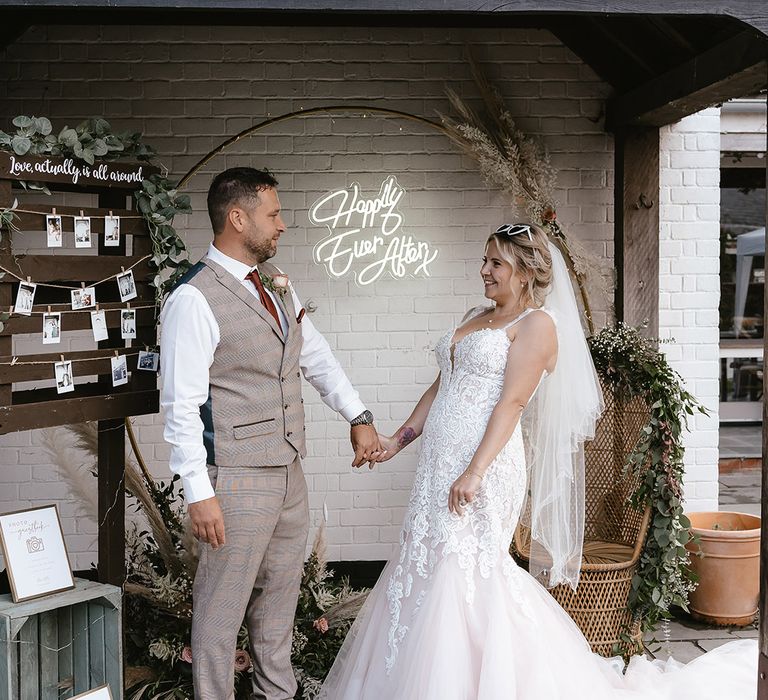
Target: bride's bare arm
[[532, 351], [412, 427]]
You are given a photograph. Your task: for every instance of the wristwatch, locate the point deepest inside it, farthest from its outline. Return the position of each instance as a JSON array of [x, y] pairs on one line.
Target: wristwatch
[[365, 418]]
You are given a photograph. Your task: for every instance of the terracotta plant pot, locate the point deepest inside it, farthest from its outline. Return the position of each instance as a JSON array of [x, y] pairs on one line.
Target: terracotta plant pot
[[729, 571]]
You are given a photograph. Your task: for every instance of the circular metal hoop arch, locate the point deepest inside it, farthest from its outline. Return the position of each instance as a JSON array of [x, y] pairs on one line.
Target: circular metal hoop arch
[[362, 109]]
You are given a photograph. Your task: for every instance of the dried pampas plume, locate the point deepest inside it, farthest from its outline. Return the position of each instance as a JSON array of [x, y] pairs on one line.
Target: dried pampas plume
[[74, 449], [519, 166]]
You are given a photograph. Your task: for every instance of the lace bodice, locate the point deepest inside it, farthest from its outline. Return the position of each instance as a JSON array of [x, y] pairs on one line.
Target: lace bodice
[[471, 381]]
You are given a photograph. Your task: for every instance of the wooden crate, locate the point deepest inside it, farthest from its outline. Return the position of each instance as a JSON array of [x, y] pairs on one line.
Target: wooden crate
[[55, 647]]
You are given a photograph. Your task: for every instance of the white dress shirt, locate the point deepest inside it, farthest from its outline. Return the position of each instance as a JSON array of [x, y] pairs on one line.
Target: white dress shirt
[[188, 340]]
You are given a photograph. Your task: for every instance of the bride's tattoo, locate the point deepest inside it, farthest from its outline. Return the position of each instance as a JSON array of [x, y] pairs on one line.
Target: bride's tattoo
[[404, 436]]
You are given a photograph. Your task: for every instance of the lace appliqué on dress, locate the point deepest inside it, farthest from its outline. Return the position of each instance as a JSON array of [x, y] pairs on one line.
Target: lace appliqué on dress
[[470, 386]]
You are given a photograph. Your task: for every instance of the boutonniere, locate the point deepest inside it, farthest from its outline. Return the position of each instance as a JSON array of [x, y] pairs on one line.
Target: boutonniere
[[276, 283]]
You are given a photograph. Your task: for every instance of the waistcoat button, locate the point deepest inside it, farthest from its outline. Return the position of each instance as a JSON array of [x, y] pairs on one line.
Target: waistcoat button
[[288, 434], [285, 407]]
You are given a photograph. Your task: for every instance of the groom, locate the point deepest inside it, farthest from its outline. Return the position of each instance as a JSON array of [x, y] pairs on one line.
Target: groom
[[234, 344]]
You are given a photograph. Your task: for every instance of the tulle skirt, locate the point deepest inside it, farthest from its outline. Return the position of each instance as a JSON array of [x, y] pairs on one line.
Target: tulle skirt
[[513, 642]]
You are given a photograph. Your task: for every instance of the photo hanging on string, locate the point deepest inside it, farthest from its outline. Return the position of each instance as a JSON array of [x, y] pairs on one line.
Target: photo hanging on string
[[82, 232], [127, 286], [148, 361], [99, 325], [111, 231], [128, 323], [53, 229], [119, 370], [51, 328], [25, 298], [83, 298], [65, 381]]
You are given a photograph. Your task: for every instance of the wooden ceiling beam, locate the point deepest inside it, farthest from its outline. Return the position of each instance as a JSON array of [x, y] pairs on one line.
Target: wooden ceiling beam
[[733, 68]]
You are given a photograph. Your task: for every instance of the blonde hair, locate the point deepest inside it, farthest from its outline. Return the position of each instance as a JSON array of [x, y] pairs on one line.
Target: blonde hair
[[529, 257]]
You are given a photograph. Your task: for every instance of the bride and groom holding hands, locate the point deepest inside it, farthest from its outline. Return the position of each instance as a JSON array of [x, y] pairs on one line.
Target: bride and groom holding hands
[[451, 617]]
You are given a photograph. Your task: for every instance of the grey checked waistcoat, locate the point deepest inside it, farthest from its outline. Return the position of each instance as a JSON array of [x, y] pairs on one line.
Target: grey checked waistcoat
[[254, 415]]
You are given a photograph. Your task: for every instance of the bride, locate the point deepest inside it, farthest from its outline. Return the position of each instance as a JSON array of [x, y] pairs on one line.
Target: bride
[[452, 616]]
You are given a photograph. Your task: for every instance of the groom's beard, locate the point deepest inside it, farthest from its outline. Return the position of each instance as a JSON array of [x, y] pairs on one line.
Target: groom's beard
[[262, 251]]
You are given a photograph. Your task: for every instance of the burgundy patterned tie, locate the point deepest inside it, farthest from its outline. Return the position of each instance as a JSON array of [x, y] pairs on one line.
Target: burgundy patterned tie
[[269, 305]]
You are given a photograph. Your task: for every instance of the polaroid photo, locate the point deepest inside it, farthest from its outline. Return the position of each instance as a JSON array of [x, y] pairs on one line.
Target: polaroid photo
[[51, 328], [119, 370], [128, 323], [99, 325], [83, 298], [111, 231], [82, 232], [148, 361], [65, 380], [25, 298], [127, 286], [53, 229]]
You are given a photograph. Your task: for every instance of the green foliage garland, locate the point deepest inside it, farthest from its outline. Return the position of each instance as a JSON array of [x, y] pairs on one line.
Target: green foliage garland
[[157, 200], [634, 366]]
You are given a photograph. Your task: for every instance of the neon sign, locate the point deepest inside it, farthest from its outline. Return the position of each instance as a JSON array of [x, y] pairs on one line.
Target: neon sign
[[368, 231]]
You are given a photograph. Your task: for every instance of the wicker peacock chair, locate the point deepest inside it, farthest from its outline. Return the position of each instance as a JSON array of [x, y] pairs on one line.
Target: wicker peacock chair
[[614, 532]]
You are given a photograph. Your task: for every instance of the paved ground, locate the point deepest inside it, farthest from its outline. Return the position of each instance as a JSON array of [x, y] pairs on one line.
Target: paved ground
[[740, 441], [687, 639]]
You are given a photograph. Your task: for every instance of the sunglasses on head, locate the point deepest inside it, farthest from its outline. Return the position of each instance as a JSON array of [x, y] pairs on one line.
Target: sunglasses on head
[[514, 230]]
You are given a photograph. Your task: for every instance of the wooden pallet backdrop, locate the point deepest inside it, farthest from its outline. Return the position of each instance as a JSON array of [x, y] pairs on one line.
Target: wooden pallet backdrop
[[112, 183]]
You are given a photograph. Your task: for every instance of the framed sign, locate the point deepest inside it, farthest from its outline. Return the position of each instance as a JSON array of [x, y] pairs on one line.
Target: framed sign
[[35, 554], [101, 693]]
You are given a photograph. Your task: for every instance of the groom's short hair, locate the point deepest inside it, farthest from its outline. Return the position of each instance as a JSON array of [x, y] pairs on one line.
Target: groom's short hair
[[231, 187]]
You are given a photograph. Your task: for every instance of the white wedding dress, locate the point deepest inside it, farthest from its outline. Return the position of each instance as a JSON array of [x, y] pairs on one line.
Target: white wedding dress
[[452, 616]]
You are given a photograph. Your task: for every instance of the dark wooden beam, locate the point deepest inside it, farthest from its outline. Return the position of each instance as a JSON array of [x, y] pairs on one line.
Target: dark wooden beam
[[111, 448], [762, 681], [636, 236], [733, 68], [585, 42]]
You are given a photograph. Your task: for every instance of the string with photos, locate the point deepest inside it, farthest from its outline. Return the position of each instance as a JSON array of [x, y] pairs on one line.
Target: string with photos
[[81, 215], [16, 362], [97, 307], [28, 280]]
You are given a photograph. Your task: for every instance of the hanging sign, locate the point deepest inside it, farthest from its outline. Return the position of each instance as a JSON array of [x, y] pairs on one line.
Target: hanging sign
[[366, 236], [72, 171]]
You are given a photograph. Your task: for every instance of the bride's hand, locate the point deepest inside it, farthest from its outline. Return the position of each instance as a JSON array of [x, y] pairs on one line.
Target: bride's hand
[[463, 491], [389, 445]]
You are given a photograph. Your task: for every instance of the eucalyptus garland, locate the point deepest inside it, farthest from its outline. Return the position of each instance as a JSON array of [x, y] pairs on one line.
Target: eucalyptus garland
[[157, 200], [633, 365]]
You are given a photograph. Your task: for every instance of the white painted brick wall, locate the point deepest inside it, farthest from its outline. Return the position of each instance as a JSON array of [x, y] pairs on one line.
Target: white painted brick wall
[[188, 89], [689, 285]]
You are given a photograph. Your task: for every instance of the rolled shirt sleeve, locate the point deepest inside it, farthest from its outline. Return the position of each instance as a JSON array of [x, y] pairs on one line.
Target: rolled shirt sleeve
[[189, 336], [323, 371]]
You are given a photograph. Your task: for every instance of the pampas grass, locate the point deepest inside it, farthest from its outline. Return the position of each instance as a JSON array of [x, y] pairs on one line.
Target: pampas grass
[[76, 467], [519, 166], [74, 450]]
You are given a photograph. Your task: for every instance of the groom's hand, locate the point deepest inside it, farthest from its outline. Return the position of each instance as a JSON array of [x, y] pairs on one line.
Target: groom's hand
[[207, 521], [365, 443]]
